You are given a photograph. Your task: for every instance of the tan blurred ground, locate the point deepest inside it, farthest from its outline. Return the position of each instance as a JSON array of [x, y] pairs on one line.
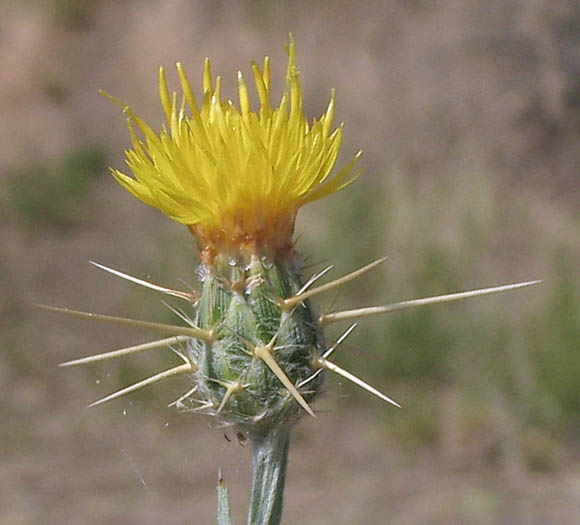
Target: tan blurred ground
[[466, 111]]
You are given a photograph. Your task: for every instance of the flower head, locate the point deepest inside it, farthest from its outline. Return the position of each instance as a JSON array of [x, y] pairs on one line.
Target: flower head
[[235, 176]]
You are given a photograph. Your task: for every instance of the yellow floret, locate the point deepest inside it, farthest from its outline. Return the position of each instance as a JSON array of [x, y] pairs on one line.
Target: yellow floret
[[232, 175]]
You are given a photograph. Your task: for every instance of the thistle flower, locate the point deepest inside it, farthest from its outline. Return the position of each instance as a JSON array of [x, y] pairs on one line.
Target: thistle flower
[[253, 345], [236, 177]]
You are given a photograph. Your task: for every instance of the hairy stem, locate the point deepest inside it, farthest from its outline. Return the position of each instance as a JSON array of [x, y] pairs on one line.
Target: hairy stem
[[269, 457]]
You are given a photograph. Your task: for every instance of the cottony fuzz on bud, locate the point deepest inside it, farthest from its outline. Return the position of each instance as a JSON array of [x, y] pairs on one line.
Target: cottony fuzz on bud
[[261, 370]]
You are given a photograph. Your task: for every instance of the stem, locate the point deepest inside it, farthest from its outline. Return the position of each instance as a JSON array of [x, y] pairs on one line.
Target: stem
[[224, 514], [269, 458]]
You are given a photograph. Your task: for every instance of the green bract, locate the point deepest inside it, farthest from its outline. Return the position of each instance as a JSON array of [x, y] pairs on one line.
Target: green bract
[[242, 304]]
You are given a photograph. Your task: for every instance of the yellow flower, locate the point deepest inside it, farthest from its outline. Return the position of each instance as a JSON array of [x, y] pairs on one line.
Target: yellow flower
[[236, 177]]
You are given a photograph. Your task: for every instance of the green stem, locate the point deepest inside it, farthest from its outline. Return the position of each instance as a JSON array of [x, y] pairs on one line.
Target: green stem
[[269, 458], [224, 514]]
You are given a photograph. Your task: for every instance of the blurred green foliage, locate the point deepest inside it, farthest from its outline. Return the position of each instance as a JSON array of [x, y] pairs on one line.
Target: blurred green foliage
[[55, 89], [70, 14], [555, 341], [518, 353], [51, 194]]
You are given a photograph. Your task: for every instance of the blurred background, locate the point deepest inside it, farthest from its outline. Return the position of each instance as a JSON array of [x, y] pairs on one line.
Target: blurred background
[[468, 114]]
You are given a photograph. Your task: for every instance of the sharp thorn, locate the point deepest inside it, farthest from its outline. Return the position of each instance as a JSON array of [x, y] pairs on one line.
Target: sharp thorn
[[291, 301], [184, 396], [354, 379], [309, 378], [198, 333], [339, 341], [230, 389], [179, 314], [264, 354], [126, 351], [376, 310], [179, 354], [203, 407], [314, 278], [181, 369], [190, 297]]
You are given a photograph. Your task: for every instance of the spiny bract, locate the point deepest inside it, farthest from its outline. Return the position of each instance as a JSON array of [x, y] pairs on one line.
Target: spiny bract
[[262, 366]]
